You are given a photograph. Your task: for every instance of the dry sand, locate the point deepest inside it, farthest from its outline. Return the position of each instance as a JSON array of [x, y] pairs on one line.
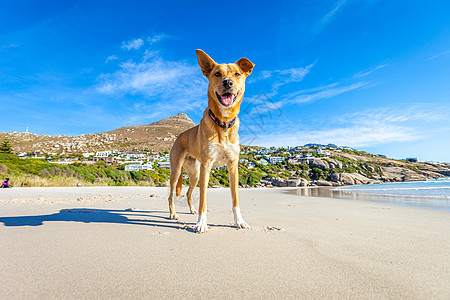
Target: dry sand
[[117, 242]]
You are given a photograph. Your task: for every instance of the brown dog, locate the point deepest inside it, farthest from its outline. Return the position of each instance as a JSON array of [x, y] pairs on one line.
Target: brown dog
[[215, 141]]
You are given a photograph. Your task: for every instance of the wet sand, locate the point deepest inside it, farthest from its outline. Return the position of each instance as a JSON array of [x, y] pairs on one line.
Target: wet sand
[[117, 242], [397, 200]]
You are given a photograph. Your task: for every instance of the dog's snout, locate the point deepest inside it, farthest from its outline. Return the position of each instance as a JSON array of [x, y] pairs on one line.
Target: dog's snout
[[227, 83]]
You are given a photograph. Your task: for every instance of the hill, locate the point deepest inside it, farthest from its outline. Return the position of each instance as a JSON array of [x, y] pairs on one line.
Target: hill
[[156, 136]]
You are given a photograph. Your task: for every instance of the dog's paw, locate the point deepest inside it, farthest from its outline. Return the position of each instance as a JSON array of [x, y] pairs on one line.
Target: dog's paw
[[194, 211], [201, 226], [242, 225], [175, 217]]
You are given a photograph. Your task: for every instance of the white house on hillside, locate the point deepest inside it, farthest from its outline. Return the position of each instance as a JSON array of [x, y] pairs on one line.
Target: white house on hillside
[[321, 151], [136, 167], [164, 165], [275, 159], [103, 153], [263, 162]]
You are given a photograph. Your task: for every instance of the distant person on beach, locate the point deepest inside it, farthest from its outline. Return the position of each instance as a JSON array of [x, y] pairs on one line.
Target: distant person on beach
[[5, 184]]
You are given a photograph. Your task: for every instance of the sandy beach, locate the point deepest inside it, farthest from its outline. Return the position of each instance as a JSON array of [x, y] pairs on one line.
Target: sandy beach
[[117, 242]]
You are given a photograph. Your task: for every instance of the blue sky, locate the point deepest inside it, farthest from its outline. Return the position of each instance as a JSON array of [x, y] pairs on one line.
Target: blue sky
[[374, 75]]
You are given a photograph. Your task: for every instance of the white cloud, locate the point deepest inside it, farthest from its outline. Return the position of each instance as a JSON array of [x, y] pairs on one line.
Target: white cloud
[[282, 77], [331, 14], [8, 45], [133, 44], [111, 57], [156, 38], [291, 75], [356, 136], [440, 54], [136, 44], [362, 129], [264, 102], [171, 83], [259, 76], [155, 83], [397, 115], [140, 116], [362, 74], [322, 23], [324, 92]]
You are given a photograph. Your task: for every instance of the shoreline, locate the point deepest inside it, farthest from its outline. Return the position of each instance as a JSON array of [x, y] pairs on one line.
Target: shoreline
[[419, 202], [416, 201], [338, 192], [118, 242]]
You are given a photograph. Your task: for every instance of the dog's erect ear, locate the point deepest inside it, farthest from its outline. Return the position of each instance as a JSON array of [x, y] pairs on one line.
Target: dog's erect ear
[[205, 62], [245, 65]]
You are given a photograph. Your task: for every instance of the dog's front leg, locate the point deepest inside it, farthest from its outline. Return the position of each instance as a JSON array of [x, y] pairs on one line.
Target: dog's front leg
[[233, 172], [202, 225]]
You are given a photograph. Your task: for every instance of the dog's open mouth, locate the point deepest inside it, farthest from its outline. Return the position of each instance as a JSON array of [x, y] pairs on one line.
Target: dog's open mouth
[[227, 99]]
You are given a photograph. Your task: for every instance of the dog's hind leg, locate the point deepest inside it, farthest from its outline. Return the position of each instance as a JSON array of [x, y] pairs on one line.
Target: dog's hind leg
[[192, 167], [176, 163]]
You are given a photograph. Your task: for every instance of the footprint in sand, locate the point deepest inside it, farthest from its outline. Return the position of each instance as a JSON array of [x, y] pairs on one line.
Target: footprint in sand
[[272, 229]]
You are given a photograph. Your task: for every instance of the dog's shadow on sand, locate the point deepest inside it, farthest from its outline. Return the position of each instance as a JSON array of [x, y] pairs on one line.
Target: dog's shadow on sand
[[93, 215]]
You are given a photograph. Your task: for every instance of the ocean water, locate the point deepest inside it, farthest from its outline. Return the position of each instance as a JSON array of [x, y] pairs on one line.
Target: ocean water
[[428, 194], [433, 194]]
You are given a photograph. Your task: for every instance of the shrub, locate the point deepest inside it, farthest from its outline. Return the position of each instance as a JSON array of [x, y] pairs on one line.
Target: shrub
[[5, 146], [317, 174], [3, 169]]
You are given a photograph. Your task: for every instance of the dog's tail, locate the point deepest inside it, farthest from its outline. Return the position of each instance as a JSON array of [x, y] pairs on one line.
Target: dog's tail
[[180, 183]]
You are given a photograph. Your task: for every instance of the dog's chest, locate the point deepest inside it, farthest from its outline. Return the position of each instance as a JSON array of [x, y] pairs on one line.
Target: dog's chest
[[223, 153]]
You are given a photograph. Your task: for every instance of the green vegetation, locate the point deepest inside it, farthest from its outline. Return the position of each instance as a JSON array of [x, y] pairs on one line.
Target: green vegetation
[[5, 147], [356, 152], [39, 172]]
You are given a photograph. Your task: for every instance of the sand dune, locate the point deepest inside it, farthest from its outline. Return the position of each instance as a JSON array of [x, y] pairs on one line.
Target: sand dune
[[117, 242]]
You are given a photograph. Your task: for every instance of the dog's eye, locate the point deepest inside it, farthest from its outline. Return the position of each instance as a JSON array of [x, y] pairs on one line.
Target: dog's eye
[[218, 74], [237, 74]]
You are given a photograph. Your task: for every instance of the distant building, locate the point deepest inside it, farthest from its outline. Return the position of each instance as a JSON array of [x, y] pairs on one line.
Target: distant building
[[131, 162], [263, 151], [152, 156], [307, 155], [86, 155], [263, 162], [107, 159], [103, 153], [294, 161], [323, 152], [37, 153], [164, 165], [135, 155], [137, 167], [275, 159], [224, 167]]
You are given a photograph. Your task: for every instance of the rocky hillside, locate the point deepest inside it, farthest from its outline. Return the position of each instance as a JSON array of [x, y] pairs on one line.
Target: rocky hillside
[[157, 136], [355, 167]]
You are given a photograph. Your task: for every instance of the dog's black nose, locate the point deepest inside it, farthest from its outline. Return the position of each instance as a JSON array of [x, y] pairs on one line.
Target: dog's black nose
[[227, 83]]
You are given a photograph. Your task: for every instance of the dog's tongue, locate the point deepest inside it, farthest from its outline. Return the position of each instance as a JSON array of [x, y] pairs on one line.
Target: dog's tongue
[[227, 99]]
